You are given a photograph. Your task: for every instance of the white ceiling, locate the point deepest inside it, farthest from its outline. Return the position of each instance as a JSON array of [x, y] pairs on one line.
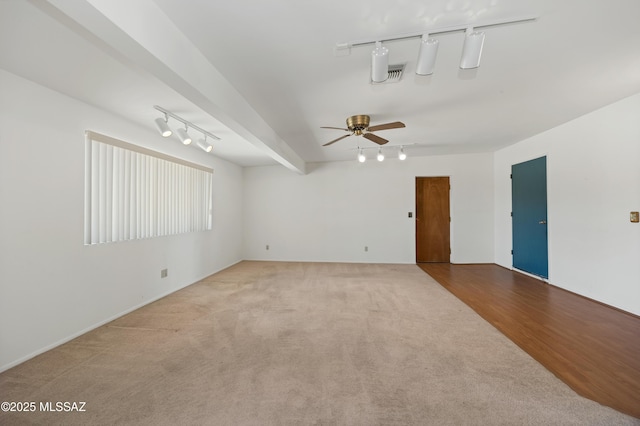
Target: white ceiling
[[263, 74]]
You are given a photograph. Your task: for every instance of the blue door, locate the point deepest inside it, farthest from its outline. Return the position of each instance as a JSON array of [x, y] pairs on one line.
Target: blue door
[[529, 211]]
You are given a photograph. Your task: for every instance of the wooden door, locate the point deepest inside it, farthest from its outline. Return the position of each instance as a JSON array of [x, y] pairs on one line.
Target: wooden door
[[432, 219]]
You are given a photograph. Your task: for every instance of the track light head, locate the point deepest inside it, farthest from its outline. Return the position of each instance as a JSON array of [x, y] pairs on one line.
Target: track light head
[[183, 135], [163, 127], [204, 145], [472, 49], [427, 55], [379, 63]]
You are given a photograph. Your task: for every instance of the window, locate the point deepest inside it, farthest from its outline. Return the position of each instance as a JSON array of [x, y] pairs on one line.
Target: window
[[133, 193]]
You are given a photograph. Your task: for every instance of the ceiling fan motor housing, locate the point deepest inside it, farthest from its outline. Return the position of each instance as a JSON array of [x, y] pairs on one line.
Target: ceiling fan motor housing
[[358, 123]]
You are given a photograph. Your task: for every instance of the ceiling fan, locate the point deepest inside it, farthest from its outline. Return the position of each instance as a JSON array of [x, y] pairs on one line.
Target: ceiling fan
[[359, 125]]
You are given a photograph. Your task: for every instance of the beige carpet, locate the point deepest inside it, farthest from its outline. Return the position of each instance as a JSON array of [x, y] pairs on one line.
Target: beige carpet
[[265, 343]]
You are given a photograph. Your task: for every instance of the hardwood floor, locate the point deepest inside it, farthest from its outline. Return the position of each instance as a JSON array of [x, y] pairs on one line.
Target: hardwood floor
[[593, 348]]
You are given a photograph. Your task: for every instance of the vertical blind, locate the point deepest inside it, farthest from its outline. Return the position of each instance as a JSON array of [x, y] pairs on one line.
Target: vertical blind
[[134, 193]]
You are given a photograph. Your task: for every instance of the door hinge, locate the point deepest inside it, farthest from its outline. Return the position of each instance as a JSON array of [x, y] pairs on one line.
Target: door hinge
[[511, 251], [449, 219], [511, 176], [511, 214]]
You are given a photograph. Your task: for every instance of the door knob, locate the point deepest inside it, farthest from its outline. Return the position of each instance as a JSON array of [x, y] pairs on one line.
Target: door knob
[[543, 222]]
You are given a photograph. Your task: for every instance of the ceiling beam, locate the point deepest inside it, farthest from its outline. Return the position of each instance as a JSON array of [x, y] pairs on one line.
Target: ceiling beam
[[142, 33]]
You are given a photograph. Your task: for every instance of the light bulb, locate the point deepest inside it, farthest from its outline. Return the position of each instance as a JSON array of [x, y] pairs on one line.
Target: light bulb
[[361, 157], [401, 155], [380, 155]]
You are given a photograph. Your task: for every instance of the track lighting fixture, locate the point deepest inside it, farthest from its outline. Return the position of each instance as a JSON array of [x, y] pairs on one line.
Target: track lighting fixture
[[401, 155], [202, 143], [380, 155], [427, 55], [472, 49], [471, 52], [361, 156], [163, 126], [379, 63], [183, 135]]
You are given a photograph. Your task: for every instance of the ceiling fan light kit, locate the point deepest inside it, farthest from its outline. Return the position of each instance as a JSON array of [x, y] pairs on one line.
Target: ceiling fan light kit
[[359, 125], [183, 135], [401, 154], [471, 51], [380, 155]]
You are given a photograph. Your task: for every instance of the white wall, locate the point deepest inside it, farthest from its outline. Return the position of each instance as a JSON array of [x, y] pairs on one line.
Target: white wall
[[52, 287], [593, 183], [338, 208]]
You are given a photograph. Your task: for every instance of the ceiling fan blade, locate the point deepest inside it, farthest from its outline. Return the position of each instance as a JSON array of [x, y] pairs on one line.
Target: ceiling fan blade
[[375, 138], [337, 128], [394, 125], [336, 140]]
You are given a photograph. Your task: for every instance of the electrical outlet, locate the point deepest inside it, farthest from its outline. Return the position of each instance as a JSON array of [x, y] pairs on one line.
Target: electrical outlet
[[164, 273], [267, 247], [366, 248]]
